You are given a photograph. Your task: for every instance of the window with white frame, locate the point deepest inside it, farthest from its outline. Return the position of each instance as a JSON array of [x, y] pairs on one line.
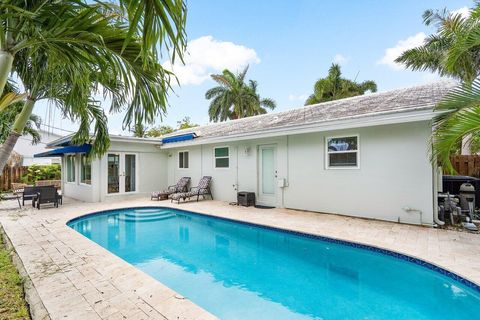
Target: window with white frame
[[342, 152], [183, 159], [70, 160], [85, 169], [222, 157]]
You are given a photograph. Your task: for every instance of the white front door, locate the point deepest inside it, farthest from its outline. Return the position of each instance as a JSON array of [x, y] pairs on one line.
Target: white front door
[[267, 175], [121, 172]]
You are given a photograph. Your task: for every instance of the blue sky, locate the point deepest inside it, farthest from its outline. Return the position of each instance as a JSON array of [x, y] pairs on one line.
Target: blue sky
[[289, 45]]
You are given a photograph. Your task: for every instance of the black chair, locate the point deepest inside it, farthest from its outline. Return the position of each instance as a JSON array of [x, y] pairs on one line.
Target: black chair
[[47, 194], [30, 193]]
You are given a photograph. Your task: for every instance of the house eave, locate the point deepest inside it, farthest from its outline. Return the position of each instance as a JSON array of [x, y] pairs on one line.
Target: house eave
[[113, 138], [337, 124]]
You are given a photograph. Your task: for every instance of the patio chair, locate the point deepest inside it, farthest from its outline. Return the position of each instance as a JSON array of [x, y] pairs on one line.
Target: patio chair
[[47, 194], [181, 186], [203, 189], [29, 193]]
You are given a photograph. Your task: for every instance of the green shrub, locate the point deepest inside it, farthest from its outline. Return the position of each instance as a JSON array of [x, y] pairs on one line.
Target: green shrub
[[46, 172]]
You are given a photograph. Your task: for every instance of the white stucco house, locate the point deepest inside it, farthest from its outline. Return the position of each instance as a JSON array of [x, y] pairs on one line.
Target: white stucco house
[[365, 156], [27, 150]]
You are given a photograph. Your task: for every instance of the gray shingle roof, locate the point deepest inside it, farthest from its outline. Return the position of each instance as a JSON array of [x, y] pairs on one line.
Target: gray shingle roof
[[422, 97]]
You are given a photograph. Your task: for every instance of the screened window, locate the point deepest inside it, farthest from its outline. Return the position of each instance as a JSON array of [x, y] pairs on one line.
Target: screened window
[[85, 169], [183, 160], [342, 152], [222, 157], [70, 159]]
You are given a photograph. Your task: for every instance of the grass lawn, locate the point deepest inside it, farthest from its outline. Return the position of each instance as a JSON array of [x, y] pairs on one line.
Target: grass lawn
[[12, 303]]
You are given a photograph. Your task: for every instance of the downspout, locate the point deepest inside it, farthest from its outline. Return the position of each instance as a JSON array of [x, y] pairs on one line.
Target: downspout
[[287, 183], [436, 174], [435, 198], [236, 178]]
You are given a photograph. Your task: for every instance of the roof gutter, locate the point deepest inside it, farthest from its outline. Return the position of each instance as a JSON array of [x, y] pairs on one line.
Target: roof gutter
[[338, 124]]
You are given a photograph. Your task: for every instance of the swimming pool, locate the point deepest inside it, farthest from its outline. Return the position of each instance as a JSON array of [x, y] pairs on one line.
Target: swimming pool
[[242, 271]]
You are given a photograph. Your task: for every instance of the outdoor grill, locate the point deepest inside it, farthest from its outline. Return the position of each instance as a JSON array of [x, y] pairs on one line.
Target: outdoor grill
[[246, 199]]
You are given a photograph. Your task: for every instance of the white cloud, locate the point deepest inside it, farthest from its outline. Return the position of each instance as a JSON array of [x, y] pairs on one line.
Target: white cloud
[[300, 97], [428, 77], [464, 11], [340, 59], [207, 55], [391, 54]]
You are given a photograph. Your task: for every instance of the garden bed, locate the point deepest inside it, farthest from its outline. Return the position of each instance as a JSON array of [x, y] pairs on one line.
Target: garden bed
[[12, 298]]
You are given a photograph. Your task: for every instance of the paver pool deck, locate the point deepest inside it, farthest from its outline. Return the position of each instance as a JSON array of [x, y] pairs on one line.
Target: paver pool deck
[[74, 278]]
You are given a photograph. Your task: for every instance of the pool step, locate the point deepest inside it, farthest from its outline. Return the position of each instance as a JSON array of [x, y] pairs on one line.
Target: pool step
[[148, 210], [151, 218], [148, 214]]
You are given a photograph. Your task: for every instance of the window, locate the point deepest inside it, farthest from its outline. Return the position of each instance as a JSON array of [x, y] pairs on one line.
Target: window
[[70, 159], [222, 157], [342, 152], [85, 169], [183, 160]]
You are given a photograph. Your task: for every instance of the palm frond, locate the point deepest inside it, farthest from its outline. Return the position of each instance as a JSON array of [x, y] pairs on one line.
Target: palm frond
[[459, 117], [268, 103], [450, 132], [159, 23]]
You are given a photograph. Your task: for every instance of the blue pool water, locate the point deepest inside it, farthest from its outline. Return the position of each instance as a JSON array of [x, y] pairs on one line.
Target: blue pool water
[[240, 271]]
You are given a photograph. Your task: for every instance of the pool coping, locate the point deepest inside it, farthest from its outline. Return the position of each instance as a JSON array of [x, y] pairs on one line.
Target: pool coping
[[395, 254]]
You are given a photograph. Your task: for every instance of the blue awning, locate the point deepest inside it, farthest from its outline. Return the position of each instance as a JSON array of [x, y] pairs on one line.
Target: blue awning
[[180, 137], [84, 148]]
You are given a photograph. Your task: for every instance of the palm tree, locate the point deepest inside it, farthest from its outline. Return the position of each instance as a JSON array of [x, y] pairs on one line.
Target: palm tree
[[452, 50], [66, 51], [234, 99], [139, 130], [160, 24], [334, 87], [259, 105]]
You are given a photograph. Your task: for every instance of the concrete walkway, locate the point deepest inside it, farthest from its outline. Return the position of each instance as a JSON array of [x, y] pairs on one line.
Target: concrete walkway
[[75, 278]]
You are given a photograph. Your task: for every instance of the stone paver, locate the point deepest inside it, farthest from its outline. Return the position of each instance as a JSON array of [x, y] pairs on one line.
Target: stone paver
[[78, 279]]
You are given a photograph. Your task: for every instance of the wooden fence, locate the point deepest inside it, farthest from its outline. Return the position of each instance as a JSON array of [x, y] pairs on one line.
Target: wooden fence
[[466, 165], [11, 175]]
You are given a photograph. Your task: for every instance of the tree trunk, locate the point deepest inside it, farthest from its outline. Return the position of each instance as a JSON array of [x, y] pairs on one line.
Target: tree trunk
[[6, 61], [466, 145], [6, 149], [17, 129]]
